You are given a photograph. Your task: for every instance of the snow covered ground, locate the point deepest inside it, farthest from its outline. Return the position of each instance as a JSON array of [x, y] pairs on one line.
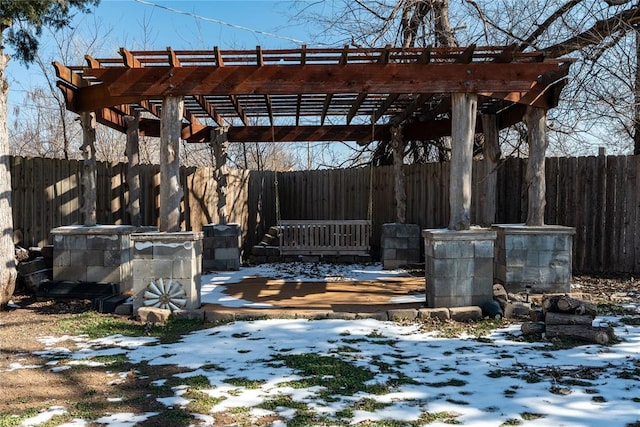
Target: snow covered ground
[[478, 382], [494, 380]]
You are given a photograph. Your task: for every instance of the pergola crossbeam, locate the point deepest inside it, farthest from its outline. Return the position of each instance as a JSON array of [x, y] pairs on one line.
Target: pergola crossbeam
[[309, 85]]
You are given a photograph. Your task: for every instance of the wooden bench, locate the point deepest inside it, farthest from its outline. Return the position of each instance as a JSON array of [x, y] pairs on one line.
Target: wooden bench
[[334, 237]]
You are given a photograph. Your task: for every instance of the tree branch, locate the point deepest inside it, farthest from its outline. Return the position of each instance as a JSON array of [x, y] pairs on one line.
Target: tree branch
[[596, 34], [542, 28]]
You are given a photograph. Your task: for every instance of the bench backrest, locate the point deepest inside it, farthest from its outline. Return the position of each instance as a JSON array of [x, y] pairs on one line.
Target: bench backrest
[[309, 237]]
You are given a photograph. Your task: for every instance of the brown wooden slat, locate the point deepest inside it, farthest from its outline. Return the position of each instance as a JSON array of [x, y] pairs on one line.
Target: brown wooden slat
[[595, 194]]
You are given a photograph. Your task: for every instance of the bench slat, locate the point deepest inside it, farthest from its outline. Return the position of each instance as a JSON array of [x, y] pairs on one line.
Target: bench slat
[[309, 237]]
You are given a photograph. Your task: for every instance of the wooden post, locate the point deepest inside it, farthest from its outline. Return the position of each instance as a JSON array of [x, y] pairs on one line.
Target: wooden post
[[491, 155], [398, 144], [464, 107], [170, 189], [536, 121], [133, 168], [89, 168], [220, 147]]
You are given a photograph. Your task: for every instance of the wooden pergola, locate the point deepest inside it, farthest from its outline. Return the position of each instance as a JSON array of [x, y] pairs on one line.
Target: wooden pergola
[[302, 95]]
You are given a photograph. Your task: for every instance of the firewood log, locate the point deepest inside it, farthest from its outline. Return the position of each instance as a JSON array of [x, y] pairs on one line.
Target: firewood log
[[532, 328], [598, 335], [552, 318], [568, 305]]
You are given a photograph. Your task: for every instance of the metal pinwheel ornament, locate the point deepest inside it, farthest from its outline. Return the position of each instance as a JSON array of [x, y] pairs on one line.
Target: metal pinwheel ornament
[[167, 294]]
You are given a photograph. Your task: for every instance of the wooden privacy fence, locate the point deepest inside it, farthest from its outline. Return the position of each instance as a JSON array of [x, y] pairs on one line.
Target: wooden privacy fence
[[597, 195]]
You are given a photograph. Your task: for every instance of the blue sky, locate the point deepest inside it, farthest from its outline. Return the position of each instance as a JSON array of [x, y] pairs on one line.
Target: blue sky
[[156, 24]]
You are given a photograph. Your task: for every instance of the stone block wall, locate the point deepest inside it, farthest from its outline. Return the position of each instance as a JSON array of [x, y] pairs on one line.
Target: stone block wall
[[458, 267], [100, 254], [221, 247], [166, 270], [538, 257], [400, 245]]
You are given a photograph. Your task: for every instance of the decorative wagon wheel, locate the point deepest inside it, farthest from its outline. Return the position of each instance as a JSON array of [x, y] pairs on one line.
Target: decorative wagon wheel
[[165, 294]]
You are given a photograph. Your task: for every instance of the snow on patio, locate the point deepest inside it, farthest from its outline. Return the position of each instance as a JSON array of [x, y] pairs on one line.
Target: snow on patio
[[213, 283]]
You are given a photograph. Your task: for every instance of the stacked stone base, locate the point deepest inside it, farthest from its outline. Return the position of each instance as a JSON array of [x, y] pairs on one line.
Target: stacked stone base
[[534, 259], [166, 270], [458, 267], [400, 244], [99, 254], [221, 247]]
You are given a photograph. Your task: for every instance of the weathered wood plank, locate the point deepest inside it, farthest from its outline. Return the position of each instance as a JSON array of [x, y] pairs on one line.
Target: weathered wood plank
[[630, 209], [324, 237]]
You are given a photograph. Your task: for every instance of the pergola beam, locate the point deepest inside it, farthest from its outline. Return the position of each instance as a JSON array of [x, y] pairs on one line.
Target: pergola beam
[[299, 84]]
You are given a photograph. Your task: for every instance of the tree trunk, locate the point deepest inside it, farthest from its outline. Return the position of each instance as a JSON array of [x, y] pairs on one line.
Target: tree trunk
[[170, 189], [636, 96], [398, 145], [491, 155], [464, 106], [133, 169], [536, 121], [220, 146], [8, 271], [89, 168], [444, 33]]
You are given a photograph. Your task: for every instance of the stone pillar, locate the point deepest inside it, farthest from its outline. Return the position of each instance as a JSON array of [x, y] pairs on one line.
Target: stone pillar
[[458, 267], [400, 244], [100, 254], [539, 258], [464, 106], [166, 270], [221, 247], [170, 189], [89, 168]]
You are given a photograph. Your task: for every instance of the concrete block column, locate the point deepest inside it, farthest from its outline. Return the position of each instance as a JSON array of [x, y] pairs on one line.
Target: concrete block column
[[458, 266], [400, 244], [167, 269], [539, 257], [99, 253], [221, 247]]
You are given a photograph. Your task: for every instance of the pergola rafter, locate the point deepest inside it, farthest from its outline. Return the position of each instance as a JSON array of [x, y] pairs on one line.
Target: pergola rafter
[[312, 94]]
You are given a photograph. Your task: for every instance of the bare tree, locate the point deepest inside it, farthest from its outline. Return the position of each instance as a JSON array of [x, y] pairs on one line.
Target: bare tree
[[603, 94]]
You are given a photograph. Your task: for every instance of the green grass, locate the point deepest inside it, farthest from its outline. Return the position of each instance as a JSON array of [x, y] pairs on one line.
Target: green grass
[[10, 420], [336, 375], [282, 401], [96, 325], [200, 403], [175, 417], [530, 416], [245, 382], [453, 382], [370, 405], [451, 329], [432, 417]]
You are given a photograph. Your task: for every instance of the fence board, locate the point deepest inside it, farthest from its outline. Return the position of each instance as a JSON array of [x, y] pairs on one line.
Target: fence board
[[597, 195]]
